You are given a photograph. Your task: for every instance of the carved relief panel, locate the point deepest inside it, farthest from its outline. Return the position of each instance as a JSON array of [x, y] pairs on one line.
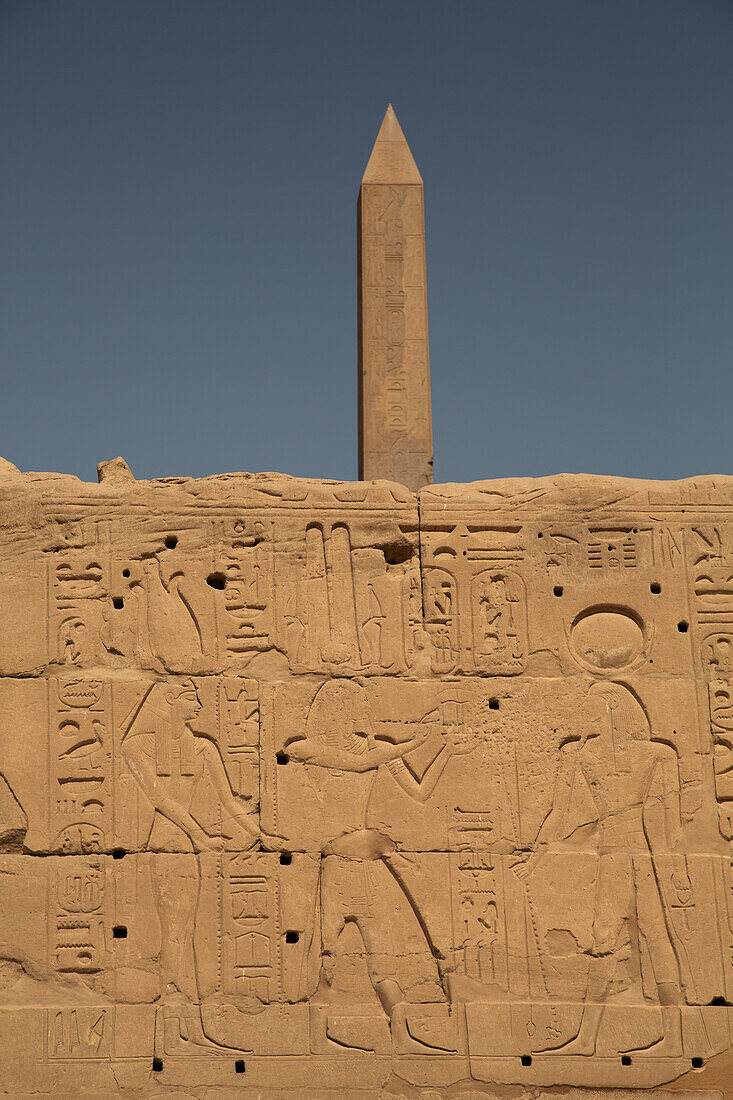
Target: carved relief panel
[[433, 792]]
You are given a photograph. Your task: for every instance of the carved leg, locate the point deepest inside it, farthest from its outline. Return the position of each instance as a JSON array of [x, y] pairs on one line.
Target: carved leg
[[584, 1042], [670, 1043], [175, 889]]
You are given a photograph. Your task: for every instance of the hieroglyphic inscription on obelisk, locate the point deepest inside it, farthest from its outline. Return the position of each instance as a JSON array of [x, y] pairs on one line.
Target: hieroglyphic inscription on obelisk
[[395, 424]]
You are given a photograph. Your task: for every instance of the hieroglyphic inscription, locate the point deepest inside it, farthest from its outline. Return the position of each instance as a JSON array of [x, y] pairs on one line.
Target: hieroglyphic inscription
[[77, 913], [78, 574], [475, 600], [251, 934], [330, 771], [249, 593], [80, 761]]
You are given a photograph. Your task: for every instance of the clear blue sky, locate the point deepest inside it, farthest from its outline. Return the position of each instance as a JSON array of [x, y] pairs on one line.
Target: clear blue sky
[[178, 184]]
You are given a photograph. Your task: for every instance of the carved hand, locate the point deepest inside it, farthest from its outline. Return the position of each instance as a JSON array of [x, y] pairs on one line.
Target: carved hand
[[461, 743], [273, 842], [209, 843], [682, 883], [419, 739], [527, 863]]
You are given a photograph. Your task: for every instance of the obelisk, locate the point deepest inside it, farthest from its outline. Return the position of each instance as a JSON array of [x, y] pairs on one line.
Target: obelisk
[[395, 421]]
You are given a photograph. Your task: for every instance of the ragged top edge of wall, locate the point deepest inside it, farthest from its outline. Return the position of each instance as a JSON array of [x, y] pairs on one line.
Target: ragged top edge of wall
[[581, 489]]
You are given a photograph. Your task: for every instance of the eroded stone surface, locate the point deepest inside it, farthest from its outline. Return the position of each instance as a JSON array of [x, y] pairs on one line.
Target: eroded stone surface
[[315, 789]]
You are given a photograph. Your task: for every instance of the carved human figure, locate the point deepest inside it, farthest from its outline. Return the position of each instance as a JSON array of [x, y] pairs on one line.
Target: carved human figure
[[635, 787], [170, 760], [358, 883]]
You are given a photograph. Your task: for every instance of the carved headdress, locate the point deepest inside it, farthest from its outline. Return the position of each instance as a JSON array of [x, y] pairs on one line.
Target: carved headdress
[[153, 715], [339, 713], [624, 708]]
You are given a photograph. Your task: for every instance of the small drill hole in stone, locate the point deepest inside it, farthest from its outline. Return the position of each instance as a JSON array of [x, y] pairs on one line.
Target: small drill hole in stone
[[286, 859], [557, 590], [526, 1059], [216, 580], [292, 937], [157, 1065], [171, 542], [683, 626], [655, 588], [625, 1060], [539, 534], [282, 757], [118, 853], [125, 572], [119, 932], [118, 603], [239, 1065], [493, 704], [696, 1063]]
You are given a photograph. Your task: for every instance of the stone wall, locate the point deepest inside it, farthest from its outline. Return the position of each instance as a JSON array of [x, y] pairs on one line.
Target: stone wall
[[327, 789]]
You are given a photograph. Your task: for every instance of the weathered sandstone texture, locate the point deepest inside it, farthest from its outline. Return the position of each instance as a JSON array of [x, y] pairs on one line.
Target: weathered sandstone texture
[[325, 789], [395, 418]]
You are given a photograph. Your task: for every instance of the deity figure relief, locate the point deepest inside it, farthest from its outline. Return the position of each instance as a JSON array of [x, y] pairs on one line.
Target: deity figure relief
[[358, 882], [634, 785], [171, 760]]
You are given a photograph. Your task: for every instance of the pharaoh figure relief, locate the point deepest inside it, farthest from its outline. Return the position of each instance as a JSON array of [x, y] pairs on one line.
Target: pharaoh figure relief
[[382, 788]]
